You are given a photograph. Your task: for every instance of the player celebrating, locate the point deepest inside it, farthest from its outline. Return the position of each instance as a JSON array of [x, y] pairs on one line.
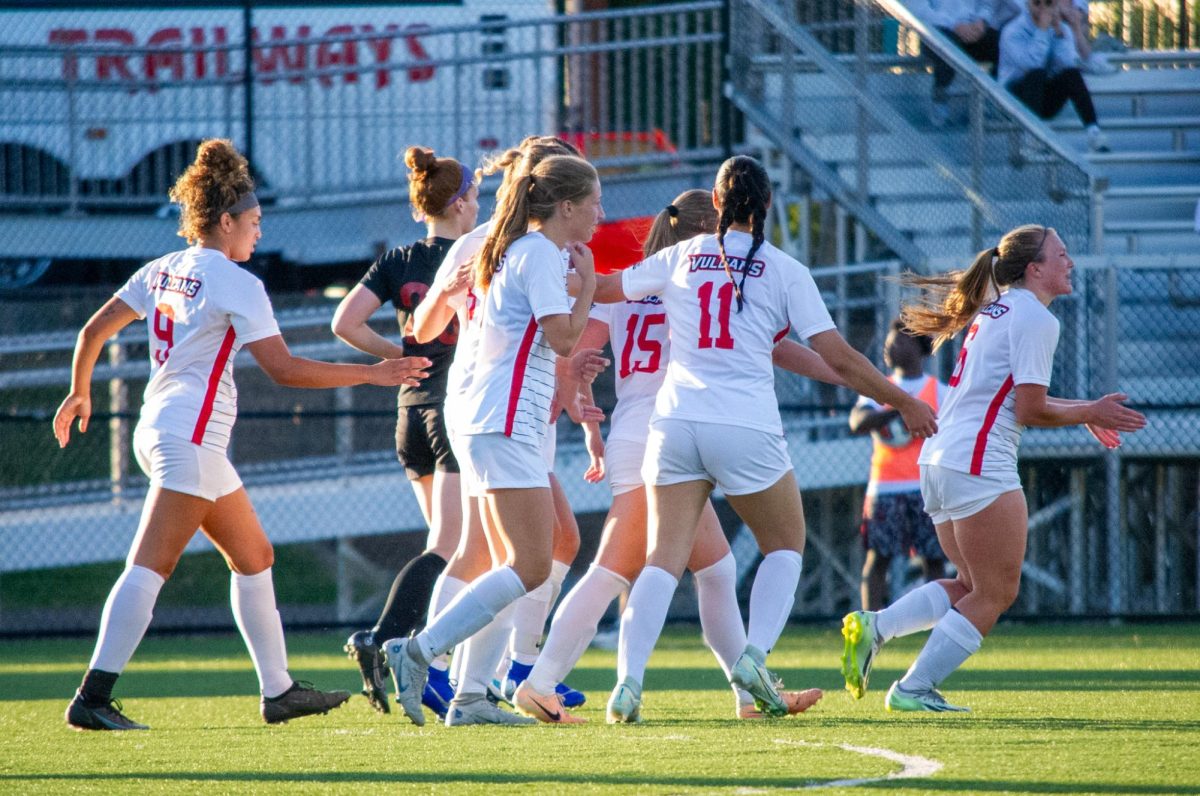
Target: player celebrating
[[969, 470], [716, 420], [201, 308], [523, 322], [894, 519], [442, 191]]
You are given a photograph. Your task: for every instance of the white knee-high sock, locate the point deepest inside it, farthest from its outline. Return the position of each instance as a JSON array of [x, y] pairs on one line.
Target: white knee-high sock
[[558, 574], [480, 653], [953, 640], [529, 620], [253, 601], [720, 617], [918, 610], [445, 589], [772, 596], [470, 612], [574, 626], [642, 622], [127, 613]]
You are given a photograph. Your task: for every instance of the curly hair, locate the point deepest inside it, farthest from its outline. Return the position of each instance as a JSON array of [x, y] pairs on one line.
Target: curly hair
[[216, 180]]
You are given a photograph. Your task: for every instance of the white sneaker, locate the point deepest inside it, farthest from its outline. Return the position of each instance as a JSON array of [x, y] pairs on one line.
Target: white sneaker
[[476, 709], [1097, 140], [1097, 64]]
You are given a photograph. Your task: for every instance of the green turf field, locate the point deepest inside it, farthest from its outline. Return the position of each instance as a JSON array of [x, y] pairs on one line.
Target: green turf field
[[1057, 709]]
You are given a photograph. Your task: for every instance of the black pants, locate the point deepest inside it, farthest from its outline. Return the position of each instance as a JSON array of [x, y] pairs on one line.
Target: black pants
[[986, 48], [1046, 95]]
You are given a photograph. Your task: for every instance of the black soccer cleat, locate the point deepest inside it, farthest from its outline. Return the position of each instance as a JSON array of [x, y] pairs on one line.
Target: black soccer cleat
[[300, 700], [82, 716], [363, 650]]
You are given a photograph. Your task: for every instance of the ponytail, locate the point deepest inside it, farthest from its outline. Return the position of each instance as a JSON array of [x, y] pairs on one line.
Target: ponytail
[[744, 194], [948, 302], [690, 214]]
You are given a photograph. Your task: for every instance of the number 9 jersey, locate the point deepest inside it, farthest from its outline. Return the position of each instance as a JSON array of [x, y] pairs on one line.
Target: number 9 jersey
[[720, 368], [201, 307]]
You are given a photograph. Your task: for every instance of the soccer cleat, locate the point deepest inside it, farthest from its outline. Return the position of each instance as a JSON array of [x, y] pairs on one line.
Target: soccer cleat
[[549, 708], [625, 704], [570, 697], [858, 654], [477, 709], [753, 676], [438, 692], [931, 701], [796, 701], [362, 649], [517, 674], [409, 676], [108, 716], [300, 700], [495, 693]]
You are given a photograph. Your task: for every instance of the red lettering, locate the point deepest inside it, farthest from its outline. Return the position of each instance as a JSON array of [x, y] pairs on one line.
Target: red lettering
[[116, 66], [419, 74], [170, 58], [337, 54], [381, 48], [279, 57], [69, 38], [221, 38]]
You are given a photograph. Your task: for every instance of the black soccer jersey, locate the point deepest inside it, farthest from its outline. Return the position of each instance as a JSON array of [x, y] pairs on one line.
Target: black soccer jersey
[[403, 277]]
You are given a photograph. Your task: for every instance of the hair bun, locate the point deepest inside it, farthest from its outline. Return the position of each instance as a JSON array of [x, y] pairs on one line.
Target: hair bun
[[418, 158]]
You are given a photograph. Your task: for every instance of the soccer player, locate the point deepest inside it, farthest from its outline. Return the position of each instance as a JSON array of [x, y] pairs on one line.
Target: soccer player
[[729, 298], [201, 309], [969, 469], [443, 193], [638, 331], [524, 320], [894, 519]]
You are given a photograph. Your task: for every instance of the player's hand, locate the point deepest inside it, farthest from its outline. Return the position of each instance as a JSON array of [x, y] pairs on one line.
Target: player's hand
[[1105, 436], [582, 260], [919, 417], [582, 411], [595, 448], [461, 278], [1110, 412], [588, 363], [394, 372], [73, 407]]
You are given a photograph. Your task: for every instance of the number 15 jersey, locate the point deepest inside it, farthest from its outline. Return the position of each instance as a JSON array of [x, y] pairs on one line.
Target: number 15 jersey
[[720, 369]]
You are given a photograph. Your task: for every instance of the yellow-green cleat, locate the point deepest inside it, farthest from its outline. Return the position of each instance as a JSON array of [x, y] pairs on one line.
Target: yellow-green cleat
[[900, 701], [858, 653]]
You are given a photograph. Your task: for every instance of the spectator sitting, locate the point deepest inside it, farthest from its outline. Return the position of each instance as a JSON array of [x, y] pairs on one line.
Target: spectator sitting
[[1076, 14], [974, 25], [1039, 64]]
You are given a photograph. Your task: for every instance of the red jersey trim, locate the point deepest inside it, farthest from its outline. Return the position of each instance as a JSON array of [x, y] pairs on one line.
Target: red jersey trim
[[989, 420], [518, 380], [214, 381], [783, 333]]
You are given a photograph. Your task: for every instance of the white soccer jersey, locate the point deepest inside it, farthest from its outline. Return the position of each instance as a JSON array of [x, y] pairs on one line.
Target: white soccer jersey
[[642, 347], [720, 368], [512, 383], [201, 308], [1010, 342], [458, 378]]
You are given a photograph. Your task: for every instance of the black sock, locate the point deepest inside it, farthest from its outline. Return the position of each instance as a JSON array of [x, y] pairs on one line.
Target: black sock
[[97, 687], [408, 601]]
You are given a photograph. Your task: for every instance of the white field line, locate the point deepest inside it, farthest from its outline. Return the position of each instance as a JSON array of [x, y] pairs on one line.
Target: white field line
[[912, 766]]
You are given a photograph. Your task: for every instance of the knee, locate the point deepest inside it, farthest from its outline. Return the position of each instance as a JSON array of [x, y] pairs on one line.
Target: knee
[[1001, 593], [251, 562], [532, 570]]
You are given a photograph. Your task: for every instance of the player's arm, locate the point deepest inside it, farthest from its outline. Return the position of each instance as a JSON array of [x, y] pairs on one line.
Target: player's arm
[[110, 319], [865, 419], [799, 359], [277, 361], [350, 323], [435, 311], [1035, 408]]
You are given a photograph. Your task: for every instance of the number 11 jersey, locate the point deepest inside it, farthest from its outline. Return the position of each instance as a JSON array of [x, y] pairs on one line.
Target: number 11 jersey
[[720, 368]]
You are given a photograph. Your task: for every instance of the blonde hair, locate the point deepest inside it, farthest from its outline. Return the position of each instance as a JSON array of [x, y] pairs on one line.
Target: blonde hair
[[517, 161], [689, 214], [217, 179], [432, 181], [535, 194], [948, 302]]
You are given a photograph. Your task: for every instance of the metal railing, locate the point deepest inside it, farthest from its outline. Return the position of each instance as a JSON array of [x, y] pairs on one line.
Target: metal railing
[[88, 124]]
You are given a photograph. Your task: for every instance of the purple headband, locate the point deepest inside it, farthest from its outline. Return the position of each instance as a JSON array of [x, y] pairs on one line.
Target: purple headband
[[468, 179]]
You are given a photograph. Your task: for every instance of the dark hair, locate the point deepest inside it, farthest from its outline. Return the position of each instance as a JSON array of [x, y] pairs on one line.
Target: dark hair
[[534, 195], [949, 301], [923, 340], [693, 214], [744, 194], [217, 179], [432, 181]]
